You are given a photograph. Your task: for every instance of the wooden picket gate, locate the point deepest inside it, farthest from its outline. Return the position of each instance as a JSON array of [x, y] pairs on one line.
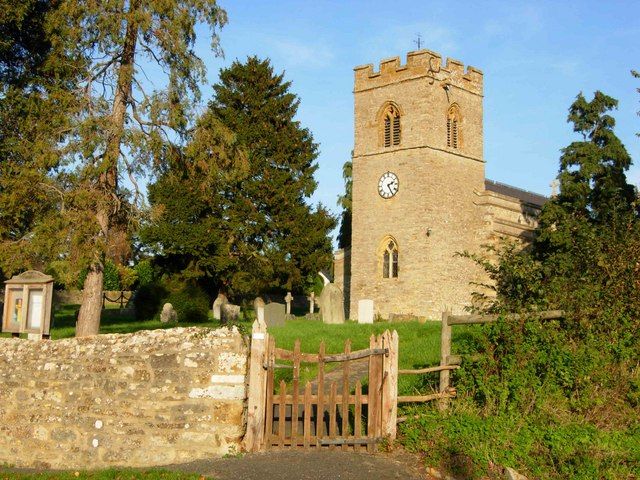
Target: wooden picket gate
[[324, 412]]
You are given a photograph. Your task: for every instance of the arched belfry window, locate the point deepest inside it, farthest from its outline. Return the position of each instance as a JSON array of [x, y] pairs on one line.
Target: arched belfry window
[[453, 126], [389, 252], [391, 126]]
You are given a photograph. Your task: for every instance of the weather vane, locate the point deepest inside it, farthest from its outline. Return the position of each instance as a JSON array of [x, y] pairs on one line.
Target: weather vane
[[418, 41]]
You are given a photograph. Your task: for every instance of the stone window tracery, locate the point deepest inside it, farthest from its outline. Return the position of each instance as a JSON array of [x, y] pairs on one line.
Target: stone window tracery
[[391, 126], [390, 259], [453, 126]]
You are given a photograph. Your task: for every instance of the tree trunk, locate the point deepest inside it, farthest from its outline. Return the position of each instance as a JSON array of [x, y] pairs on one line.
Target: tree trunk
[[91, 307], [107, 182]]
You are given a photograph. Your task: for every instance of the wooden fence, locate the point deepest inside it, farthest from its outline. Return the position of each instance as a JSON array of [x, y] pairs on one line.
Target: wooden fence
[[340, 413], [325, 412]]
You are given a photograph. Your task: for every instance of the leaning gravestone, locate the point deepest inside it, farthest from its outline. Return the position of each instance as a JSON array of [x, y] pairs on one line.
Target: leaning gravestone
[[274, 314], [258, 306], [365, 311], [220, 300], [168, 314], [332, 304], [230, 313]]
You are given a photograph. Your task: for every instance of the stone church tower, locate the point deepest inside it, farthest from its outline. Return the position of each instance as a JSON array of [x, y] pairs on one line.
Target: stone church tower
[[419, 191]]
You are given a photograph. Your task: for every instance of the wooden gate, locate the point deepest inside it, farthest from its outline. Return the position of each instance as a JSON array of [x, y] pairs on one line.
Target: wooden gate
[[329, 409]]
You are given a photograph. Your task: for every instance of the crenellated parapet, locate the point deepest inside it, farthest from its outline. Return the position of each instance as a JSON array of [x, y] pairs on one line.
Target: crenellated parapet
[[421, 63]]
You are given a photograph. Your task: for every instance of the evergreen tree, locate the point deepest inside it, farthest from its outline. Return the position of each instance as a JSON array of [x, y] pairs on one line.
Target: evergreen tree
[[257, 231], [117, 128], [345, 201], [593, 184], [36, 98]]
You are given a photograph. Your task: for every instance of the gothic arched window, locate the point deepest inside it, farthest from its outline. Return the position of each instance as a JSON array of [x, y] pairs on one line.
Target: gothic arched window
[[391, 126], [389, 258], [453, 126]]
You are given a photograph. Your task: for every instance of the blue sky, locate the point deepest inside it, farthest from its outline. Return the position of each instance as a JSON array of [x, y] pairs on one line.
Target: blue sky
[[536, 57]]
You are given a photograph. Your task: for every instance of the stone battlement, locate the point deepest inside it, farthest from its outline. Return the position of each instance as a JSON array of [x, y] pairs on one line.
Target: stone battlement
[[421, 63]]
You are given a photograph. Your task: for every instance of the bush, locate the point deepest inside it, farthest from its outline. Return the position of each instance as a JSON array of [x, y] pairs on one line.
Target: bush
[[148, 300], [144, 271], [190, 301], [111, 277], [128, 277]]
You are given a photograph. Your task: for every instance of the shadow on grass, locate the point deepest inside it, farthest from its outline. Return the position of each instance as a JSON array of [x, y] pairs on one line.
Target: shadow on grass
[[113, 321]]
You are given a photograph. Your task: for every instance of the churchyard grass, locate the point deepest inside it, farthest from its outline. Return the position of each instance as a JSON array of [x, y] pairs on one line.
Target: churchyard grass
[[419, 342]]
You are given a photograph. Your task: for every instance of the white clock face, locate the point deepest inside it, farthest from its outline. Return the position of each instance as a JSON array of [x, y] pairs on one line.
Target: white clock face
[[388, 185]]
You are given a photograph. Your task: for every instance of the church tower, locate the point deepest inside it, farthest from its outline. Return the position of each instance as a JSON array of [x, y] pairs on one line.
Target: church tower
[[418, 169]]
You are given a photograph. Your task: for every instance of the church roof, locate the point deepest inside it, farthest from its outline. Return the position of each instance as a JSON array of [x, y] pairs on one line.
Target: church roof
[[523, 195]]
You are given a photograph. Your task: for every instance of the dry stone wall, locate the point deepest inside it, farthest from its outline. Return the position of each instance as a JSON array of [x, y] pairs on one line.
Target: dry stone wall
[[143, 399]]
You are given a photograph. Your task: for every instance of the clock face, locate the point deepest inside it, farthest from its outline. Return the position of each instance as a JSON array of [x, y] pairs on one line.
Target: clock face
[[388, 185]]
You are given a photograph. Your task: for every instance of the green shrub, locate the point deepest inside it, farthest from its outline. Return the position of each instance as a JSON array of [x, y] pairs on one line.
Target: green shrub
[[144, 271], [111, 279], [148, 300], [190, 302]]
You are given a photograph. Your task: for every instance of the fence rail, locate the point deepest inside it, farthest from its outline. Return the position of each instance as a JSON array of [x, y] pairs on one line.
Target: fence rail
[[448, 361]]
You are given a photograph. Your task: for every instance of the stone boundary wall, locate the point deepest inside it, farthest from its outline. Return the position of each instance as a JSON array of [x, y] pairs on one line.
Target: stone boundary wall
[[144, 399]]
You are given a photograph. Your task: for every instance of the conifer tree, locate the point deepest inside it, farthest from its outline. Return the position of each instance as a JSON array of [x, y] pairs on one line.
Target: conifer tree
[[118, 127], [260, 232], [345, 201], [36, 98], [593, 183]]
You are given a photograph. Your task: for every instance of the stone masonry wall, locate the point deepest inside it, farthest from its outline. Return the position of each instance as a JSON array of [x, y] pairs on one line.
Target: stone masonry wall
[[143, 399], [434, 214]]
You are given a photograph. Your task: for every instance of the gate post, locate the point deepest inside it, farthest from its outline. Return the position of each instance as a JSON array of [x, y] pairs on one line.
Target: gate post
[[445, 351], [254, 435], [390, 385]]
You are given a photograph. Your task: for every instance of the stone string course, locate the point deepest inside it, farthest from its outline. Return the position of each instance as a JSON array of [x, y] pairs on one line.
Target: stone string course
[[143, 399]]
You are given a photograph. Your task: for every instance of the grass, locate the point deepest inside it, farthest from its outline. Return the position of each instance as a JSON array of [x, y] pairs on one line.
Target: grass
[[419, 345], [419, 342], [110, 474], [64, 323]]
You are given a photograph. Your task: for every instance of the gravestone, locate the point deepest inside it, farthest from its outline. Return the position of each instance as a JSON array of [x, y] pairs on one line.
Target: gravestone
[[312, 301], [230, 313], [365, 311], [220, 300], [288, 299], [258, 306], [332, 304], [168, 314], [274, 314]]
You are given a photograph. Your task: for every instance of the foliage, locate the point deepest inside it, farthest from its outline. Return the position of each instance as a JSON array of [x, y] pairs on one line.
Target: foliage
[[144, 272], [472, 445], [36, 95], [189, 300], [558, 399], [148, 300], [345, 201], [111, 276], [96, 121], [127, 277], [242, 223]]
